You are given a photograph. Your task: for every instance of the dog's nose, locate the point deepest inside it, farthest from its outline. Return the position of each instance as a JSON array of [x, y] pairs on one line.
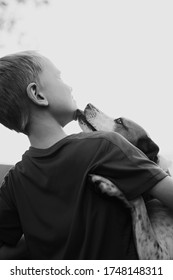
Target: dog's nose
[[90, 107]]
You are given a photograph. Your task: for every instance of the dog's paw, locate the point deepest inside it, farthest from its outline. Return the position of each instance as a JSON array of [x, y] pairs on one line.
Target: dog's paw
[[106, 186]]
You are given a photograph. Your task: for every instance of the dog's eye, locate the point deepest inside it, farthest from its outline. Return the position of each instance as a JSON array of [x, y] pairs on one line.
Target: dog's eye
[[119, 121]]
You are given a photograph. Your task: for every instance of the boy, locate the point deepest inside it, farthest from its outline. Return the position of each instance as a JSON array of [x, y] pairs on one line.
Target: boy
[[47, 196]]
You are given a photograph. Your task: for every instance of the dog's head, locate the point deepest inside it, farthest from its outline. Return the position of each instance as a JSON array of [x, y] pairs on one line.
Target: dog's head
[[93, 119]]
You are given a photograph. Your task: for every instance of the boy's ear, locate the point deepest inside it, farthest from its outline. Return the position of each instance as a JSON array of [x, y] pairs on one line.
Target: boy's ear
[[35, 95]]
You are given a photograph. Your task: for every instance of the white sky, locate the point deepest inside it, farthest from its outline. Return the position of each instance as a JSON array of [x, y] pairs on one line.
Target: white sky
[[117, 55]]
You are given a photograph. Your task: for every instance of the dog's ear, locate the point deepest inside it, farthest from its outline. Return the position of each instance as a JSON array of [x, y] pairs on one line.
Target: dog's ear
[[148, 147]]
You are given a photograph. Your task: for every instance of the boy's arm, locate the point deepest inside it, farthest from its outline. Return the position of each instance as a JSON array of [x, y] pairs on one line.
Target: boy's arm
[[10, 226], [17, 252], [163, 191], [127, 167], [10, 232], [9, 220]]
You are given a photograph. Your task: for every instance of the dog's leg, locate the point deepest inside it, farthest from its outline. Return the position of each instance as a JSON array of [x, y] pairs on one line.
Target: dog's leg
[[161, 219], [106, 186], [147, 245]]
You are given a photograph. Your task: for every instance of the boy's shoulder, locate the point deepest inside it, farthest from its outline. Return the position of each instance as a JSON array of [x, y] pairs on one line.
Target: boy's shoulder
[[109, 140], [100, 136], [82, 141]]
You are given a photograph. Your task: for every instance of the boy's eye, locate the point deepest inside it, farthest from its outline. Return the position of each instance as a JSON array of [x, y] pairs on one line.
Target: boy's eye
[[119, 121]]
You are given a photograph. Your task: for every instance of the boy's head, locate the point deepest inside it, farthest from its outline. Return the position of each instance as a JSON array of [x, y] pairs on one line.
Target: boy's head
[[29, 81]]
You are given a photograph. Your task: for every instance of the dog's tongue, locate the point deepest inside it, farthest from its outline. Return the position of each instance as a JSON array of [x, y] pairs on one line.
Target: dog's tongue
[[79, 114], [82, 115]]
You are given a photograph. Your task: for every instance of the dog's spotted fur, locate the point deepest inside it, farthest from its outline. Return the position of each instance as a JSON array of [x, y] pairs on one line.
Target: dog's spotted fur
[[152, 222]]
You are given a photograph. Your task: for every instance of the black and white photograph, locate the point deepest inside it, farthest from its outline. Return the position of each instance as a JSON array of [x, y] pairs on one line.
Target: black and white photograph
[[86, 149]]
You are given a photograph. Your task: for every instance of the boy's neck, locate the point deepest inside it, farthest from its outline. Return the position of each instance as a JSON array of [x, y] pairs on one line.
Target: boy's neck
[[45, 134]]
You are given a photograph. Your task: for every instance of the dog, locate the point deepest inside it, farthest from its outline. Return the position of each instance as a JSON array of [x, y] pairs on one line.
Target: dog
[[152, 222]]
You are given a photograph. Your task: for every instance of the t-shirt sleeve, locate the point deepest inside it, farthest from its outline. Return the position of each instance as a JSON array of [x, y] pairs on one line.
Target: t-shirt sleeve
[[127, 167], [10, 229]]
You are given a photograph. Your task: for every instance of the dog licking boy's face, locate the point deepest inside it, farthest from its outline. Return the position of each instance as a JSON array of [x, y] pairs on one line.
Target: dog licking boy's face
[[93, 119]]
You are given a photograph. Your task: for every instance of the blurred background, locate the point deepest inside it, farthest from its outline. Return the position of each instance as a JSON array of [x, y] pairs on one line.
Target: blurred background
[[115, 54]]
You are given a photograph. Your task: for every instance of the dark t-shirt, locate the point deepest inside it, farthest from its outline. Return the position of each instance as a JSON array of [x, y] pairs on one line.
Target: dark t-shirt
[[48, 197]]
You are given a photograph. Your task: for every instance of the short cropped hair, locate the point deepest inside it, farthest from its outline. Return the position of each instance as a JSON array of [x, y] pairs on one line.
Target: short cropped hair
[[17, 71]]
